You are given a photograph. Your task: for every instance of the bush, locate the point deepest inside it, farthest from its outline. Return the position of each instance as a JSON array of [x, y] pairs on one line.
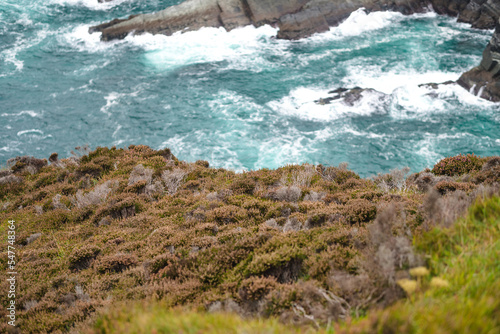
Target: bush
[[254, 288], [81, 258], [360, 211], [458, 165], [26, 164], [116, 263], [243, 185], [445, 187]]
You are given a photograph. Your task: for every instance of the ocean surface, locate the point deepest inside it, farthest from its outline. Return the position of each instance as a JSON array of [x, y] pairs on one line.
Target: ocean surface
[[241, 99]]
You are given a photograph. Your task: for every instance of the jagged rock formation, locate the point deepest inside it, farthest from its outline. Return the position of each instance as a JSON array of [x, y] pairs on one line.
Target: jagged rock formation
[[296, 18], [483, 80]]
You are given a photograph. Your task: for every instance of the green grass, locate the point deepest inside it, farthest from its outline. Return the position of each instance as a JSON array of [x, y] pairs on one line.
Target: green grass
[[467, 255], [155, 318]]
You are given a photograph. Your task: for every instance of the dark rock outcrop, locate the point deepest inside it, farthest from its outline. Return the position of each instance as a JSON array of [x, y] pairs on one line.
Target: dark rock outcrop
[[484, 80], [295, 18]]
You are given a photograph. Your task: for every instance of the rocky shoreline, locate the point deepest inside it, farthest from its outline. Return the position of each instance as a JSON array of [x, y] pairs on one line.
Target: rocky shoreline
[[302, 18]]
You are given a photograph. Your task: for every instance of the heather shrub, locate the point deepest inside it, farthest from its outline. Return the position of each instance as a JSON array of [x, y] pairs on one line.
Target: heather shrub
[[458, 165], [82, 257], [120, 207], [445, 187], [227, 214], [202, 163], [89, 169], [295, 242], [360, 211], [243, 185], [116, 263], [27, 164], [337, 174], [255, 288]]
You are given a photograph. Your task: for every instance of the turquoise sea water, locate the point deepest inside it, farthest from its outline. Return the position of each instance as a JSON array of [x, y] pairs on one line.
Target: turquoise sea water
[[240, 99]]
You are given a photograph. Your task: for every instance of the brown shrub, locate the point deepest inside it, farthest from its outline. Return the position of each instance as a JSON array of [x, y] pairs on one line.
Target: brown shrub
[[445, 187], [27, 164], [255, 288], [227, 214], [337, 174], [89, 169], [243, 185], [116, 263], [82, 257], [359, 211]]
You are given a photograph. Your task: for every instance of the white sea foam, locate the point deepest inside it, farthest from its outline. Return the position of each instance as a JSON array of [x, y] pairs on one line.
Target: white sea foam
[[358, 23], [234, 106], [81, 40], [31, 113], [30, 131], [112, 99], [207, 45], [301, 103], [10, 55], [91, 4]]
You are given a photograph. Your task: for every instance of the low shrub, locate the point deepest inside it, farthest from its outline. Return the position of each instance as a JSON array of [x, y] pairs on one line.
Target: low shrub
[[458, 165], [116, 263], [360, 211], [82, 257]]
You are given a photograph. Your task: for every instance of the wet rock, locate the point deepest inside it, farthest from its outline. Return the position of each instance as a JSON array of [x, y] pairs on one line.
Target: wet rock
[[348, 96], [434, 85], [481, 14], [483, 80]]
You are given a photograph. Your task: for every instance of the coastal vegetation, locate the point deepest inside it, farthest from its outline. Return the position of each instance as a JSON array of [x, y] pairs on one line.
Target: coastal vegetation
[[136, 241]]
